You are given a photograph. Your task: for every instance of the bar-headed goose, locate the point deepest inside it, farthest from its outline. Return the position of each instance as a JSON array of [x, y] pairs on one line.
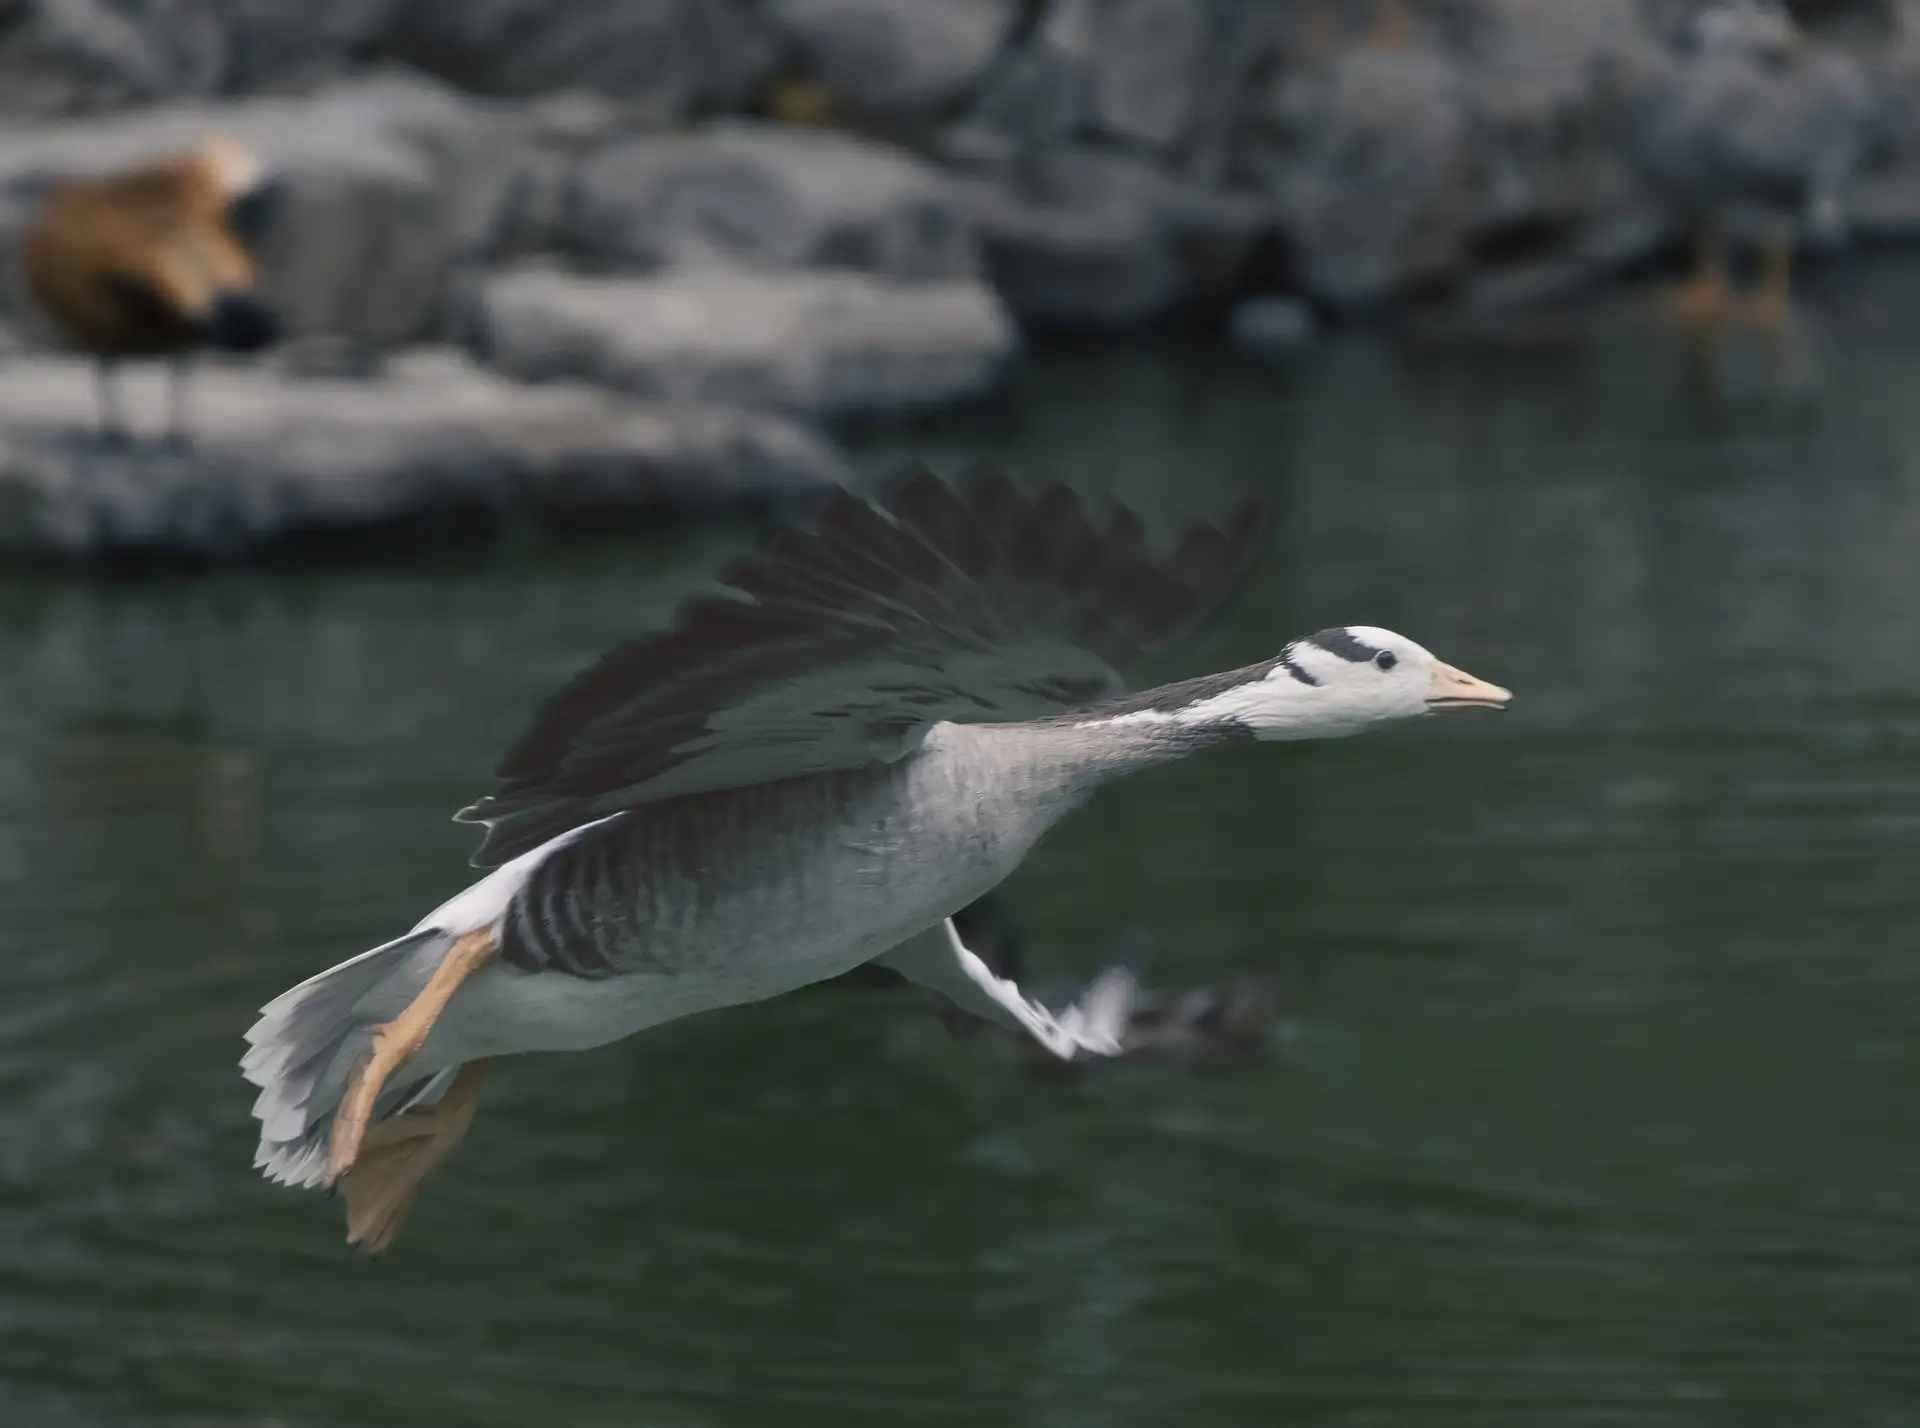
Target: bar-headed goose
[[867, 730], [1751, 129]]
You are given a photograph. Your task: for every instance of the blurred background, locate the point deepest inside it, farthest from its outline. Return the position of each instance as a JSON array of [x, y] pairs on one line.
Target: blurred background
[[1571, 339]]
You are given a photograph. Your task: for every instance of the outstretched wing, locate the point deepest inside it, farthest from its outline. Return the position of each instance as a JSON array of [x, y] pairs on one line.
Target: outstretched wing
[[838, 645]]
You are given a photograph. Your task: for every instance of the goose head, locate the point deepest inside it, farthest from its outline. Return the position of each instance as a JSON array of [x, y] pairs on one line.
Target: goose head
[[1352, 677], [1325, 685], [1370, 675]]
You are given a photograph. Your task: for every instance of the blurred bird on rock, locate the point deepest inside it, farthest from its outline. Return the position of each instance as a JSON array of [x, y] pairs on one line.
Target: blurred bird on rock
[[1752, 131], [154, 261]]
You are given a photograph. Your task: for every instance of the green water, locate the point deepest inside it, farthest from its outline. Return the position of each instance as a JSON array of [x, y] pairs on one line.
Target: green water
[[1592, 1101]]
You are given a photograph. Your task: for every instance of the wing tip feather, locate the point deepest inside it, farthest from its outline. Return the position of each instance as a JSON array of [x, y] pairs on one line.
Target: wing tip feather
[[1107, 575]]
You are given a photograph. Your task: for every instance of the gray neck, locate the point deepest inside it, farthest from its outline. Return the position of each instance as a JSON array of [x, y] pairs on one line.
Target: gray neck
[[1072, 755]]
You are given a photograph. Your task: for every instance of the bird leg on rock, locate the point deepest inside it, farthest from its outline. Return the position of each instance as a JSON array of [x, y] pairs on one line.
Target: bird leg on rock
[[1703, 299], [113, 421], [396, 1042], [399, 1153], [1772, 303], [177, 434]]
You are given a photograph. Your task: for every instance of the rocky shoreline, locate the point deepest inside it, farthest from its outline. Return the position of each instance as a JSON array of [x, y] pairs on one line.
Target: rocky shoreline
[[430, 442], [708, 230]]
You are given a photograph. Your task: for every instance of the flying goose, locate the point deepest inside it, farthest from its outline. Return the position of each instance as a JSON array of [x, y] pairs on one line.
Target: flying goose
[[865, 730], [153, 262]]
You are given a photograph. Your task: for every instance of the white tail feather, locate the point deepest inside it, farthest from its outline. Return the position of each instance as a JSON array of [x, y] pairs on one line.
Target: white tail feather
[[310, 1037], [307, 1040]]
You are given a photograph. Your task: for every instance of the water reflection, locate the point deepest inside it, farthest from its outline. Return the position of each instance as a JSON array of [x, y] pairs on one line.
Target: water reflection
[[1592, 1100]]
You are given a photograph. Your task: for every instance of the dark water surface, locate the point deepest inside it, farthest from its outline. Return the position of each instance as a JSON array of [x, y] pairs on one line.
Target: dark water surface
[[1593, 1101]]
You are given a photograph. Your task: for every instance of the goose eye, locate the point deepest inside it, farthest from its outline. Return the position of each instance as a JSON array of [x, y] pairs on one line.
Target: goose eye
[[1385, 660]]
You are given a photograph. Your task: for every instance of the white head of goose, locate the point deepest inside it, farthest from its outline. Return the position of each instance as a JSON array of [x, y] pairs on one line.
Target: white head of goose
[[1333, 683], [864, 731]]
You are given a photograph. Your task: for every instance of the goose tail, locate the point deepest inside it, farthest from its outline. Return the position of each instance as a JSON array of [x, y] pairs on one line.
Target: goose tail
[[308, 1040]]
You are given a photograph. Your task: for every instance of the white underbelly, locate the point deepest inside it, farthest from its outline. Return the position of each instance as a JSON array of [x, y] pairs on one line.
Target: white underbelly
[[504, 1010], [744, 899]]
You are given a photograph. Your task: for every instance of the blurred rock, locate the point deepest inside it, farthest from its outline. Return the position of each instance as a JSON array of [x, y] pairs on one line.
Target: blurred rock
[[1884, 207], [757, 195], [76, 56], [1145, 64], [1370, 166], [432, 441], [1090, 238], [1539, 283], [1271, 327], [825, 344], [1133, 71], [388, 183], [1550, 167], [1035, 94], [1750, 125], [885, 57], [669, 58]]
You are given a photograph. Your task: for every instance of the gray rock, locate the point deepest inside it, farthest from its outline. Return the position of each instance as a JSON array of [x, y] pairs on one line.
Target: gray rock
[[433, 440], [825, 344], [757, 195], [671, 57], [1136, 71], [62, 56], [1535, 74], [1884, 207], [389, 182], [1542, 283], [68, 56], [1063, 267], [1370, 165], [674, 57], [1751, 125], [1036, 94], [1271, 327], [1147, 62], [1091, 238], [904, 57]]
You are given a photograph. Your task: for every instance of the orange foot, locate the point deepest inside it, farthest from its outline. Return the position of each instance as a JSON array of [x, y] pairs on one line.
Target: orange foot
[[1703, 300], [398, 1154], [395, 1043]]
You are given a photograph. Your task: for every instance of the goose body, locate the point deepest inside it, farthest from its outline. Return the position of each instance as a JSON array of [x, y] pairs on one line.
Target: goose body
[[786, 785], [711, 901]]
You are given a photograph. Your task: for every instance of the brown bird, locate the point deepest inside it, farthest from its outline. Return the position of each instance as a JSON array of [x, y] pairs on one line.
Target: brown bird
[[154, 262]]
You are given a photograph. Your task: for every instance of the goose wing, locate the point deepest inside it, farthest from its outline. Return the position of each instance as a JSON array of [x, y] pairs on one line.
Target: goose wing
[[838, 645]]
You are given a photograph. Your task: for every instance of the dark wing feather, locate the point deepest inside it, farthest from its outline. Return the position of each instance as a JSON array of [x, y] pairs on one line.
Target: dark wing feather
[[836, 646]]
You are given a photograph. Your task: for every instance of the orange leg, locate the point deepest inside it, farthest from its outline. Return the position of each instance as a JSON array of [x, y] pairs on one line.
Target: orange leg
[[396, 1043], [1392, 26], [397, 1156], [1772, 304], [1704, 298]]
